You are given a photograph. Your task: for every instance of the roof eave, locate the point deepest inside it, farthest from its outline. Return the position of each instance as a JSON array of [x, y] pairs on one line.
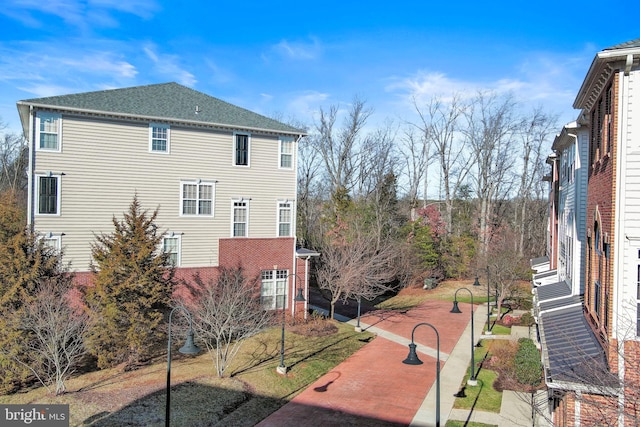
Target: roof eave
[[599, 63], [24, 107]]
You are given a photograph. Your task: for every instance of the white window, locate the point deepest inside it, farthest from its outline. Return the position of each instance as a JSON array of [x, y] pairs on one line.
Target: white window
[[53, 241], [48, 131], [171, 245], [159, 140], [284, 219], [197, 198], [240, 215], [286, 152], [48, 191], [273, 288], [241, 149]]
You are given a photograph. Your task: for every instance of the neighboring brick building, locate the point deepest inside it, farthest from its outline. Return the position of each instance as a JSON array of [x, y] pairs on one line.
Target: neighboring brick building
[[223, 179], [590, 334]]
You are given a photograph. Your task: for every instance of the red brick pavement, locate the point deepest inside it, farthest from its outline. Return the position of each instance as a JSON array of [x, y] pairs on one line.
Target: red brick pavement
[[373, 387]]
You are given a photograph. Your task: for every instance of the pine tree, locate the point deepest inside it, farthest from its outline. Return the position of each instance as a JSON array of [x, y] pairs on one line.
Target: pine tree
[[25, 261], [131, 290]]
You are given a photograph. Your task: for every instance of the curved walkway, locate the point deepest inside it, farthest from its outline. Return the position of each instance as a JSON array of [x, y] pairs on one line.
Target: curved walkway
[[374, 388]]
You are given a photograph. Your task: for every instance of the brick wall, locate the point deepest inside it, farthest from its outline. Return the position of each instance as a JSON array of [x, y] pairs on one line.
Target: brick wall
[[632, 383], [601, 208], [596, 410], [255, 255]]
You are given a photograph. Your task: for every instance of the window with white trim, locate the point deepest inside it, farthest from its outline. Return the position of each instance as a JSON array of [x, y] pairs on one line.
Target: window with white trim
[[273, 289], [159, 138], [285, 215], [241, 149], [48, 131], [240, 215], [171, 245], [48, 191], [196, 198], [53, 241], [286, 152]]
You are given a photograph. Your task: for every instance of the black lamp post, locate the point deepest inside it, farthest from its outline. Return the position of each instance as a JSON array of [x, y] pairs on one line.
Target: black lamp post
[[412, 359], [282, 369], [358, 328], [188, 348], [472, 372], [477, 283]]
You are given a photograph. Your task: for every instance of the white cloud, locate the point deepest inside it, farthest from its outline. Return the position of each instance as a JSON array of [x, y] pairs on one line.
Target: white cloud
[[40, 90], [102, 63], [168, 66], [42, 61], [142, 8], [547, 80], [297, 50], [77, 13], [216, 73], [306, 104]]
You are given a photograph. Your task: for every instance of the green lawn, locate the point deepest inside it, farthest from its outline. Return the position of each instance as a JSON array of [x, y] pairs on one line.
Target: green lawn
[[451, 423], [483, 396]]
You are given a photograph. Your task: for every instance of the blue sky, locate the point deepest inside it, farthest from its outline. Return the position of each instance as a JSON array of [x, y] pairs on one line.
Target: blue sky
[[289, 58]]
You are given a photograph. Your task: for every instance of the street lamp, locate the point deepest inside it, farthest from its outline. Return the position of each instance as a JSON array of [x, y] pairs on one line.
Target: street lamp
[[188, 348], [477, 283], [472, 372], [412, 359], [282, 369]]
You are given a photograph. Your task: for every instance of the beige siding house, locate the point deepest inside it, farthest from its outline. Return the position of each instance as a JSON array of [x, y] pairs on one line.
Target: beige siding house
[[221, 176]]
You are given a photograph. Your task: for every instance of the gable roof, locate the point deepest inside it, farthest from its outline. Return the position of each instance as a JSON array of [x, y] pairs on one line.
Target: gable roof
[[617, 57], [159, 102]]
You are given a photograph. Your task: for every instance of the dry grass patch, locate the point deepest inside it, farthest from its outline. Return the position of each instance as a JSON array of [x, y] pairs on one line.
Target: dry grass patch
[[112, 397]]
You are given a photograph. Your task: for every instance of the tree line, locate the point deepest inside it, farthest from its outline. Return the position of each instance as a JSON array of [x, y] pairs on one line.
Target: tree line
[[454, 191]]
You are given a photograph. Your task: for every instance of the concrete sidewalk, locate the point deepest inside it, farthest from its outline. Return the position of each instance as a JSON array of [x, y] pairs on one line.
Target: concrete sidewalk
[[374, 388]]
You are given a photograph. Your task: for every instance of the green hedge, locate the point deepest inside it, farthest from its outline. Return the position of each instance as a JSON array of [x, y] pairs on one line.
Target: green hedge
[[528, 364]]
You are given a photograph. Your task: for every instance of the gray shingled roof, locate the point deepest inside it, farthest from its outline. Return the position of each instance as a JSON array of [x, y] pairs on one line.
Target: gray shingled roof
[[625, 45], [166, 101]]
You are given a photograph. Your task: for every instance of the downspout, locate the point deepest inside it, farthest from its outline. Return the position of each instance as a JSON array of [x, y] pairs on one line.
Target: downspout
[[295, 278], [294, 228], [574, 230], [621, 164], [30, 175]]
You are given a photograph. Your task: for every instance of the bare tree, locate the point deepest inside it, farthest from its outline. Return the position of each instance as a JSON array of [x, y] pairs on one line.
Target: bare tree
[[339, 147], [507, 269], [13, 162], [414, 150], [490, 128], [377, 159], [310, 191], [54, 332], [440, 125], [534, 134], [225, 313], [356, 267]]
